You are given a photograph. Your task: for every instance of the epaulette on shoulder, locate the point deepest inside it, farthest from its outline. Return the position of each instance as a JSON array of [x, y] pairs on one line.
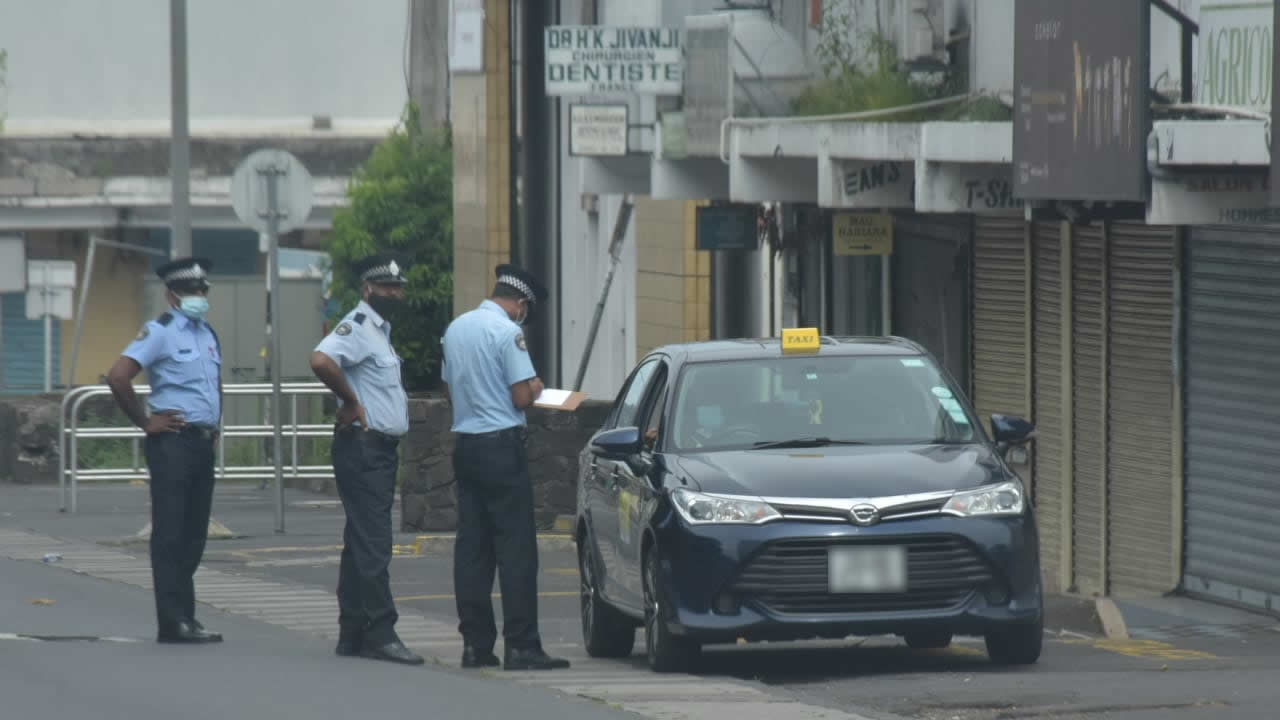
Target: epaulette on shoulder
[[165, 318], [359, 318]]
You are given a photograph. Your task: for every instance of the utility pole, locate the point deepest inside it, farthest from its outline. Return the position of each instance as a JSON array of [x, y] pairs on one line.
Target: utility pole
[[180, 138]]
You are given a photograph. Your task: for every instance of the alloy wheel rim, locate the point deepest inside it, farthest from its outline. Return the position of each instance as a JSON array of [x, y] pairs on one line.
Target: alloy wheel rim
[[587, 593], [651, 610]]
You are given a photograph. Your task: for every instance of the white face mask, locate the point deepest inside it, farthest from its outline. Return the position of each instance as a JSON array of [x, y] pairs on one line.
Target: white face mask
[[524, 315]]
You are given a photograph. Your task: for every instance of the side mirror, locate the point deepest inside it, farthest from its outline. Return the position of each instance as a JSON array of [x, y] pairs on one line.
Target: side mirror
[[1010, 430], [618, 444]]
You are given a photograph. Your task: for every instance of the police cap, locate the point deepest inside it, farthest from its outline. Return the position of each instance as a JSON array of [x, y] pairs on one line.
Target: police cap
[[521, 280], [381, 270], [186, 274]]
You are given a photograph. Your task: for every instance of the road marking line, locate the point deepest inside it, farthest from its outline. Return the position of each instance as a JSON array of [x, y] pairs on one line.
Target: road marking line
[[1152, 649]]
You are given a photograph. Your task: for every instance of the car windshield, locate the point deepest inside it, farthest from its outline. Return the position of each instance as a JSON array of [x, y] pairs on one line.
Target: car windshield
[[811, 401]]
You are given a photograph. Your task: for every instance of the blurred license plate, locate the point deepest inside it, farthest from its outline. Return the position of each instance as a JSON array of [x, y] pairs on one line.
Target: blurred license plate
[[881, 569]]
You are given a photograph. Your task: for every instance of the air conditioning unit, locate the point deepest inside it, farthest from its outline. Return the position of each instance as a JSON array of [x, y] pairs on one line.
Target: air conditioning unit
[[923, 27]]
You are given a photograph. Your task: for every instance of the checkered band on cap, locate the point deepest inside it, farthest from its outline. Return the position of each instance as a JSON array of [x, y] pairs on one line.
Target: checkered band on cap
[[389, 271], [518, 284], [186, 274]]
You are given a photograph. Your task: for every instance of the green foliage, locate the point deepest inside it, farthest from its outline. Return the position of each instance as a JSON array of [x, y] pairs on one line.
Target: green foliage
[[861, 73], [402, 202]]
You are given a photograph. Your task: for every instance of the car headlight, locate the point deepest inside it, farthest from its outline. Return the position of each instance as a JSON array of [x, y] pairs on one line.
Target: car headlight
[[1003, 499], [702, 509]]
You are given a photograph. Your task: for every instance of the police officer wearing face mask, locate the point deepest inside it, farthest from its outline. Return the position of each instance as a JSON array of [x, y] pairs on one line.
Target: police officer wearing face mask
[[183, 361], [490, 381], [358, 363]]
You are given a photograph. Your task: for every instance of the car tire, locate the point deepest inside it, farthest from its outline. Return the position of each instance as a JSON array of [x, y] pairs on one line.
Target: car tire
[[1016, 645], [927, 640], [606, 633], [666, 652]]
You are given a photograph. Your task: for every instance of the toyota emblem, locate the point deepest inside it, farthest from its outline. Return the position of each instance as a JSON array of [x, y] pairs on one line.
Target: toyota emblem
[[864, 514]]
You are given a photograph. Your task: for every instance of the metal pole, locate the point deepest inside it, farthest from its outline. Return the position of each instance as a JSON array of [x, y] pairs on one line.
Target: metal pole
[[273, 224], [180, 139], [886, 298], [615, 248], [84, 302], [48, 331]]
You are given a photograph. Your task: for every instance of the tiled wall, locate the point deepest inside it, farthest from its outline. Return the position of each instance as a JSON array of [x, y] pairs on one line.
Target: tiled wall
[[673, 279]]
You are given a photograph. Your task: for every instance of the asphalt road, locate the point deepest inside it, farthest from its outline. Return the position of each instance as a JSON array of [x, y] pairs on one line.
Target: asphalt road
[[1184, 661]]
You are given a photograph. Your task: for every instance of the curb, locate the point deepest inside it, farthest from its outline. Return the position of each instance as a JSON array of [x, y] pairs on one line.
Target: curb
[[1113, 625]]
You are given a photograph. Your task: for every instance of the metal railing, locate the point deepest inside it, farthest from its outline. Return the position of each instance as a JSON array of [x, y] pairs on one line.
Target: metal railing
[[70, 474]]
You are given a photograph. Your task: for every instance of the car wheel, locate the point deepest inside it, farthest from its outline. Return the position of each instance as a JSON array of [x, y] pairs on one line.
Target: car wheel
[[666, 652], [606, 633], [928, 640], [1016, 645]]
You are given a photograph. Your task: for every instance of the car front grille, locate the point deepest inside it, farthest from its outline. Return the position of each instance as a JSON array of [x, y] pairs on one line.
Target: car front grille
[[790, 576]]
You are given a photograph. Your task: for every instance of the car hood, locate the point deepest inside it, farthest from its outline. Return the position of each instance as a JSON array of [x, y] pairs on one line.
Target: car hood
[[844, 471]]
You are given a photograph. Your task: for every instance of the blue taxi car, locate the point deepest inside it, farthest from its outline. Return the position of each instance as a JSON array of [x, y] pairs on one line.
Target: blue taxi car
[[803, 487]]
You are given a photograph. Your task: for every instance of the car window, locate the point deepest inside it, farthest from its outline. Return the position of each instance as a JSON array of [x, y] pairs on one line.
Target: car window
[[625, 416], [873, 400]]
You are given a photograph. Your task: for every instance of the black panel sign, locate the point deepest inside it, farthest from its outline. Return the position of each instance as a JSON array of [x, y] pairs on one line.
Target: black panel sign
[[727, 227], [1080, 99]]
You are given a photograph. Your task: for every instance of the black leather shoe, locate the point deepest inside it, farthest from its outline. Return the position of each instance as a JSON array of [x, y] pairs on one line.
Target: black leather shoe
[[473, 658], [393, 652], [187, 633], [347, 647], [533, 659]]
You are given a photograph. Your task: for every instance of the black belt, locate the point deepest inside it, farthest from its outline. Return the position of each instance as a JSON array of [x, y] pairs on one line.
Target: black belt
[[369, 432], [204, 432], [515, 430]]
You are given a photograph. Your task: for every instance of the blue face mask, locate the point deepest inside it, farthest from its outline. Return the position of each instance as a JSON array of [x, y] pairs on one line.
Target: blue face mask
[[194, 306]]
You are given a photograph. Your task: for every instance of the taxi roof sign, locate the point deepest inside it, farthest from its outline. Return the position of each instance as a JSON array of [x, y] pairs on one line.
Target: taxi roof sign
[[800, 340]]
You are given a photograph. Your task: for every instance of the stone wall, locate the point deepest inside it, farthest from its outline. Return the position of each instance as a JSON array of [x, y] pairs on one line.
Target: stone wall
[[426, 467], [29, 439]]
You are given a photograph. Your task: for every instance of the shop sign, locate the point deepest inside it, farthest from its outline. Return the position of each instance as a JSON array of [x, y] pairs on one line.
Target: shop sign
[[861, 234], [1217, 198], [1081, 114], [1235, 46], [875, 184], [595, 60], [985, 189], [727, 227], [598, 130]]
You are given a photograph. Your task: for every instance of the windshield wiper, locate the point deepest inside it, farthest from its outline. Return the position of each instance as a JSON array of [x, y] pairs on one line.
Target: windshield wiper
[[803, 443]]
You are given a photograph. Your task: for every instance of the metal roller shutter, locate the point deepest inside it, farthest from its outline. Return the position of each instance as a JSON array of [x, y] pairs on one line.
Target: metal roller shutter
[[1088, 284], [1140, 425], [1233, 416], [1000, 350], [1047, 395], [23, 347]]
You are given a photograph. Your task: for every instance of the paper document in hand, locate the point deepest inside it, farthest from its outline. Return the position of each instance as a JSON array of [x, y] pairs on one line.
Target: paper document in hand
[[553, 397]]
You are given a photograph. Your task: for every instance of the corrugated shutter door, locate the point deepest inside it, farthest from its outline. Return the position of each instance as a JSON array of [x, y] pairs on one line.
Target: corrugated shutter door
[[999, 317], [1140, 409], [23, 346], [1233, 416], [1088, 449], [1047, 395]]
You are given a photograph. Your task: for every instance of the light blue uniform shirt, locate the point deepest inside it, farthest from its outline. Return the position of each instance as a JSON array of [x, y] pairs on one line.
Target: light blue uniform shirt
[[484, 355], [183, 362], [361, 346]]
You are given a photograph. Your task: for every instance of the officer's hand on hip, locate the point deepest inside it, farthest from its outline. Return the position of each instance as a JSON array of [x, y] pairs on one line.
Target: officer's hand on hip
[[348, 414], [164, 422]]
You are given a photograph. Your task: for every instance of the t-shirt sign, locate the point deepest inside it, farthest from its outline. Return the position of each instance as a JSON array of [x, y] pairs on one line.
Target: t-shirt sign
[[595, 60]]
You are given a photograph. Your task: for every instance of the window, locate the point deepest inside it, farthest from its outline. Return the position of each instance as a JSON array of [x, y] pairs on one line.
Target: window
[[634, 395], [877, 400]]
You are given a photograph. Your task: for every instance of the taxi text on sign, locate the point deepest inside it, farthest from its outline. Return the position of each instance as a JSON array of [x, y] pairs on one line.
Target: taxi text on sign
[[800, 340], [862, 234]]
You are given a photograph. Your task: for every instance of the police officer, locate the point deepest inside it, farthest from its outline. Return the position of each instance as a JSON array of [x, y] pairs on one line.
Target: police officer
[[183, 360], [490, 380], [358, 363]]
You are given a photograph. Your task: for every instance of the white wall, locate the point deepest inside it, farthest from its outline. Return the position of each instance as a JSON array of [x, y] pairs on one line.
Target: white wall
[[103, 65]]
